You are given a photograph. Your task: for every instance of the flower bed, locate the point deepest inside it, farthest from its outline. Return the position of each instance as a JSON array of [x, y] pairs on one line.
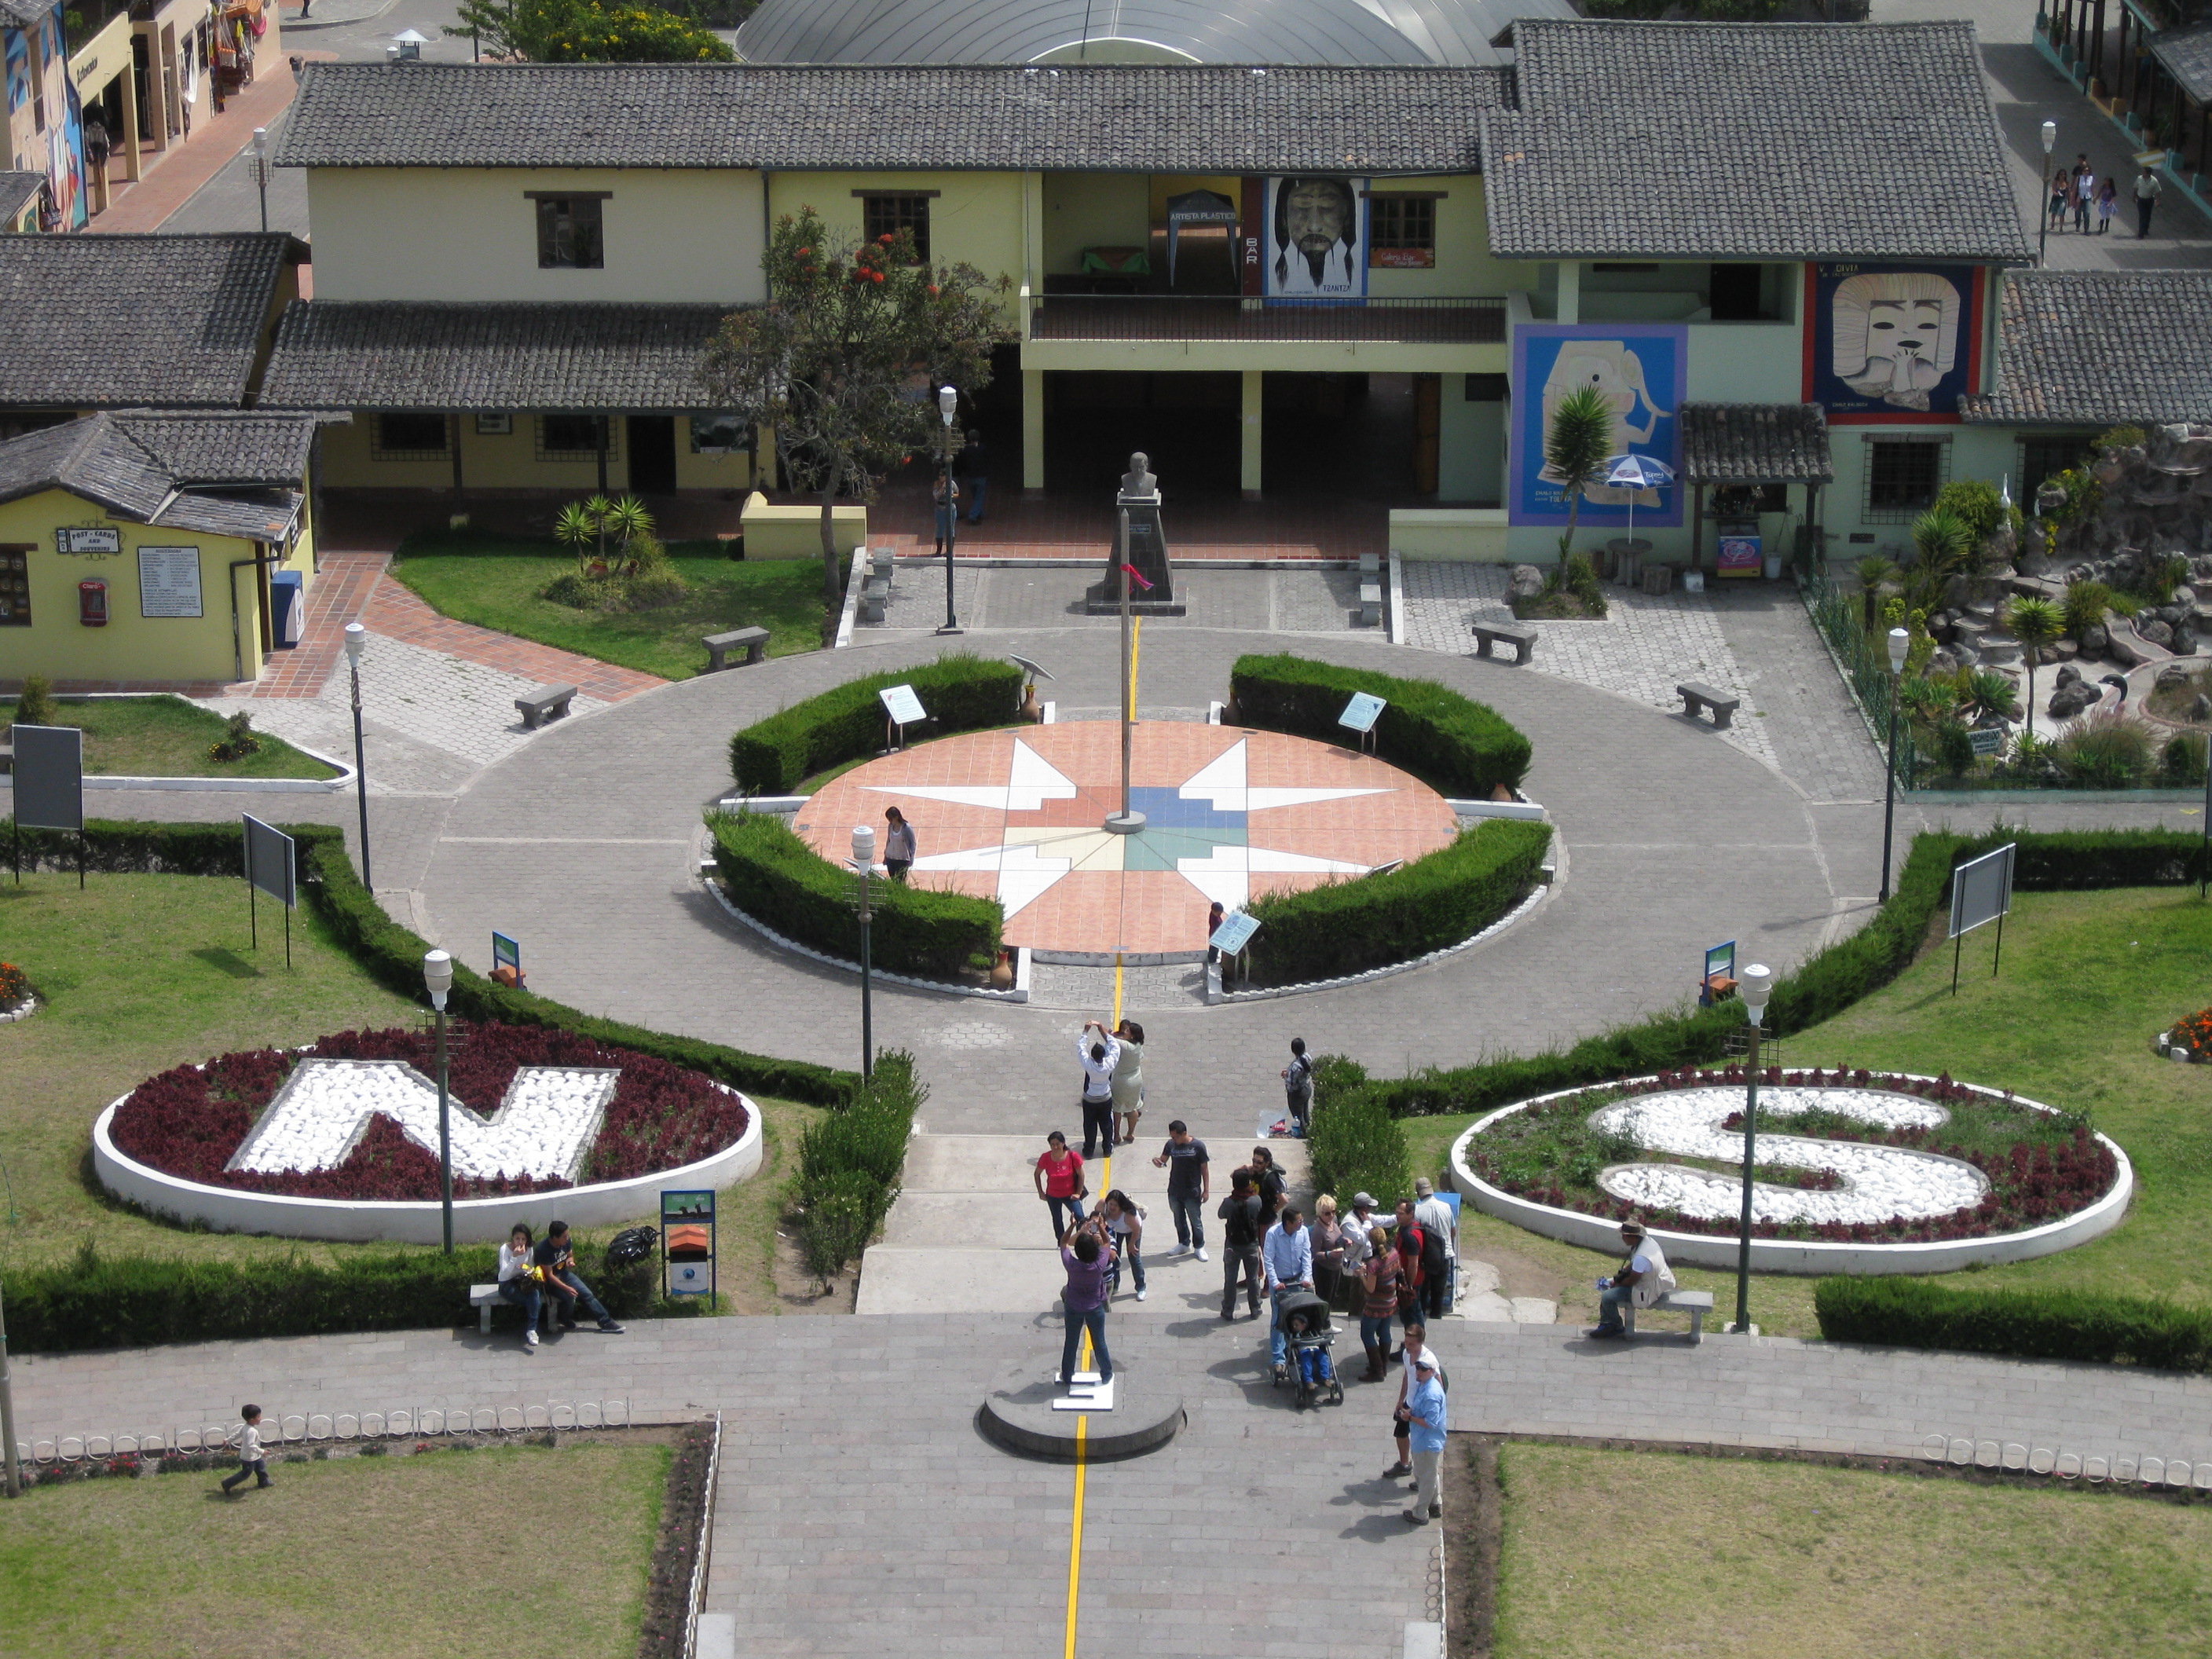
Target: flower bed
[[17, 1000], [2190, 1040], [196, 1121]]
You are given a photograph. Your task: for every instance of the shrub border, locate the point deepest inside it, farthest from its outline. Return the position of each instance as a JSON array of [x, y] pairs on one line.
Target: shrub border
[[1408, 724], [772, 756], [1018, 993]]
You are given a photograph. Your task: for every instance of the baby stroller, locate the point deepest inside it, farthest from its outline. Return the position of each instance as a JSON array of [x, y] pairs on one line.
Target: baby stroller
[[1306, 1325]]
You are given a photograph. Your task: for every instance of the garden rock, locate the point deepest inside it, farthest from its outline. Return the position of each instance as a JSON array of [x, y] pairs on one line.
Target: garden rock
[[1526, 582], [2156, 633], [2070, 699], [2201, 710], [2171, 678], [2068, 675], [2095, 640], [1944, 662], [2185, 596]]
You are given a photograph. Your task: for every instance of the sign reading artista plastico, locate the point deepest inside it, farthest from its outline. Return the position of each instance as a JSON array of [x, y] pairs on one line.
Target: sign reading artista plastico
[[169, 583]]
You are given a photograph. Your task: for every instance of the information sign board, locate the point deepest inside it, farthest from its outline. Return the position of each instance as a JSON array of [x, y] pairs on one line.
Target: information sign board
[[169, 583], [1234, 935], [92, 538], [49, 777], [1981, 891], [901, 705], [1361, 712], [270, 862], [687, 1241]]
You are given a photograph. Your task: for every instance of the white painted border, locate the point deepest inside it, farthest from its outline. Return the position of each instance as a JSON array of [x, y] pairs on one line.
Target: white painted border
[[22, 1010], [476, 1220], [1790, 1255]]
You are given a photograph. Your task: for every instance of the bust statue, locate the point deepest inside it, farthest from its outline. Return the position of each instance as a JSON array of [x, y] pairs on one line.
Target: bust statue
[[1138, 481]]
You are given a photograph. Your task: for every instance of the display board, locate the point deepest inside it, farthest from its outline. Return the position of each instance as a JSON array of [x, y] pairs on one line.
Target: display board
[[271, 862], [1316, 248], [1981, 891], [169, 583], [49, 777], [1361, 712], [1640, 369], [901, 705]]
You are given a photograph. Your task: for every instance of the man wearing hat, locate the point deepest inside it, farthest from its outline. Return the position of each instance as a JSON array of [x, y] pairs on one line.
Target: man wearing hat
[[1424, 1417], [1442, 1222], [1642, 1280]]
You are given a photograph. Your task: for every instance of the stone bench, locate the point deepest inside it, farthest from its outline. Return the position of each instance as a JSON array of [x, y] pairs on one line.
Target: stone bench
[[1697, 698], [484, 1297], [1696, 1303], [1371, 603], [1522, 640], [875, 597], [547, 703], [753, 642]]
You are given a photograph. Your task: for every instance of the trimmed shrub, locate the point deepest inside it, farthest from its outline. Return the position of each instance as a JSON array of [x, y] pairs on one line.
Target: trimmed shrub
[[1355, 1143], [777, 879], [962, 692], [1457, 745], [2028, 1324], [1370, 921], [850, 1166]]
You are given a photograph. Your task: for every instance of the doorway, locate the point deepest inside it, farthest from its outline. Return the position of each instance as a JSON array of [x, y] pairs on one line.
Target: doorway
[[653, 455]]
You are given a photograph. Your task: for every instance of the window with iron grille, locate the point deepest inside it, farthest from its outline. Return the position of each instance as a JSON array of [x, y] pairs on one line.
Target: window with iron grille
[[573, 437], [1402, 222], [887, 216], [570, 233], [2044, 457], [1903, 477], [407, 435]]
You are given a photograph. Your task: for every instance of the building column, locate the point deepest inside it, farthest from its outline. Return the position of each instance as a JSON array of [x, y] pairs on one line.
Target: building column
[[1248, 469], [134, 167], [1032, 431], [1569, 305]]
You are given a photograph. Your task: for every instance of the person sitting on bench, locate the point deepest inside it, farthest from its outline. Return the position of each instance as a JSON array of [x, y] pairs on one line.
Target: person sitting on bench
[[520, 1278], [1642, 1280], [558, 1259]]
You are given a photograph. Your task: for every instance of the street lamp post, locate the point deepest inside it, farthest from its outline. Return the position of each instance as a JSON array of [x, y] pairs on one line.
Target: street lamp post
[[1754, 986], [1900, 644], [14, 1471], [356, 637], [261, 171], [2042, 199], [438, 976], [864, 862], [948, 405]]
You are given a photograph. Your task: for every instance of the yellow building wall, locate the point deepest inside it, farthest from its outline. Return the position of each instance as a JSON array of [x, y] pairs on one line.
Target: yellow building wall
[[975, 217], [472, 233], [1463, 263], [1092, 209], [733, 470], [131, 647]]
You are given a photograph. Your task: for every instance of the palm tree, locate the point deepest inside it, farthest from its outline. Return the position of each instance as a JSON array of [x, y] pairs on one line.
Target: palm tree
[[1874, 570], [2035, 623], [1942, 542], [574, 528], [628, 520], [599, 507], [1577, 448]]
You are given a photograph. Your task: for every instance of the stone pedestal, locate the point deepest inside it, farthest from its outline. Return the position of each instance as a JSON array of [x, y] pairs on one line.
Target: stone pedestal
[[1148, 551]]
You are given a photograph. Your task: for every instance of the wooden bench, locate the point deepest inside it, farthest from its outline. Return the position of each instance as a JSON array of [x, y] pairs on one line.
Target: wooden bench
[[753, 642], [1697, 698], [484, 1297], [1371, 603], [1522, 640], [547, 703], [1696, 1303]]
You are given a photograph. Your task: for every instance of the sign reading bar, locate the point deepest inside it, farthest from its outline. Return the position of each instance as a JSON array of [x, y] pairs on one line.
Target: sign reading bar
[[1234, 935], [97, 538], [901, 705], [1361, 712], [169, 583]]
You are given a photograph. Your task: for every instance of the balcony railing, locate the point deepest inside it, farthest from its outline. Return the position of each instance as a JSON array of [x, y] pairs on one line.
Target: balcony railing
[[1185, 317]]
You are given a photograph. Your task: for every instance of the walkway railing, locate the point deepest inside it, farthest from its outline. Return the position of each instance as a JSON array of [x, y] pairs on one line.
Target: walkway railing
[[1863, 659], [1464, 320], [281, 1428]]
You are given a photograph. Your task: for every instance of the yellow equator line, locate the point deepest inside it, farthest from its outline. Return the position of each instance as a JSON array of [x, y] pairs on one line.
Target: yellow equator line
[[1082, 1440]]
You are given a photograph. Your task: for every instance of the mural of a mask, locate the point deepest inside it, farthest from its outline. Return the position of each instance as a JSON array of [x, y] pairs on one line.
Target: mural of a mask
[[1896, 334], [1617, 374]]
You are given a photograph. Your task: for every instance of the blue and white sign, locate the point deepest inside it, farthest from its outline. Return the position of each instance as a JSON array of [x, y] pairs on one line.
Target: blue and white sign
[[1642, 370], [1361, 712], [1234, 935]]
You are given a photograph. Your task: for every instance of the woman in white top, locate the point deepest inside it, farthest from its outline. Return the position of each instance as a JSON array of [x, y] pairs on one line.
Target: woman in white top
[[1125, 1232], [1129, 1081], [519, 1280]]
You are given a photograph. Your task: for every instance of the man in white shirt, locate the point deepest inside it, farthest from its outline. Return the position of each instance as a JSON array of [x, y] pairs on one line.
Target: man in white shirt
[[1100, 1055], [1642, 1280], [1442, 1221]]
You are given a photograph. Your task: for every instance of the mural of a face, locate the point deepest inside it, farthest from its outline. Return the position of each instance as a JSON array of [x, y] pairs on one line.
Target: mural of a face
[[1896, 334], [1617, 374], [1314, 217]]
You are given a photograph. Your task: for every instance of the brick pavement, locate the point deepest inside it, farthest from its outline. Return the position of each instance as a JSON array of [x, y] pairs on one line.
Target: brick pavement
[[177, 175]]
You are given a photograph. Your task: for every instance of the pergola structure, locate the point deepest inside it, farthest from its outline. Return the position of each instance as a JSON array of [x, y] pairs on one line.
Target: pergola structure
[[1750, 445]]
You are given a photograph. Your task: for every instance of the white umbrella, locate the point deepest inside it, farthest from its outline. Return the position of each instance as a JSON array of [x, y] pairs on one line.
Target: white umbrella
[[1635, 473]]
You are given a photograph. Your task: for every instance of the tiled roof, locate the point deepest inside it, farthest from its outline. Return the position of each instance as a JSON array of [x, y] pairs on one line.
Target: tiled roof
[[17, 192], [2101, 348], [115, 322], [189, 471], [2186, 54], [1765, 141], [1101, 117], [433, 356], [1755, 443]]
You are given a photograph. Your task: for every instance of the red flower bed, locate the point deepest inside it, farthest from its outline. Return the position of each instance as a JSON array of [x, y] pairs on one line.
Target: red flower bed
[[14, 986], [189, 1122]]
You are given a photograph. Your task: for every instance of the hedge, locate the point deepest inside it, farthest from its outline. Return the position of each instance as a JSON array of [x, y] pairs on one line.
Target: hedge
[[962, 692], [1463, 748], [2026, 1324], [850, 1167], [779, 881], [1355, 1145], [1448, 896]]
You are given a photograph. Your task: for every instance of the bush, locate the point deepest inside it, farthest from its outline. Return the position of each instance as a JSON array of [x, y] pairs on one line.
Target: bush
[[1457, 745], [1976, 503], [2182, 760], [962, 692], [1370, 921], [780, 882], [239, 738], [850, 1166], [581, 32], [14, 986], [2085, 604], [2105, 751], [2028, 1324], [1355, 1143], [34, 703]]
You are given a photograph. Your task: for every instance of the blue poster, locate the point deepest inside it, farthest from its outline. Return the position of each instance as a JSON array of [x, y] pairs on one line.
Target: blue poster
[[1890, 343], [1641, 369]]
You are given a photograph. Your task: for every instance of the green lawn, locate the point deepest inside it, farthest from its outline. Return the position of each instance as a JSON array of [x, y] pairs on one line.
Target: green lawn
[[2088, 980], [494, 581], [1661, 1556], [167, 738], [507, 1550]]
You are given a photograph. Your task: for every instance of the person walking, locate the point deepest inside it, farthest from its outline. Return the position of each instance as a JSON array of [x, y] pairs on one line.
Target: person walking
[[2060, 188], [1083, 1302], [246, 1436], [2148, 186], [1241, 1225], [1416, 1349], [1297, 1086], [1128, 1082], [972, 466], [1442, 1222], [1286, 1257], [1059, 1177], [2085, 196], [1125, 1234], [1425, 1415], [1099, 1055], [1378, 1282], [1190, 1183], [898, 845], [2108, 204]]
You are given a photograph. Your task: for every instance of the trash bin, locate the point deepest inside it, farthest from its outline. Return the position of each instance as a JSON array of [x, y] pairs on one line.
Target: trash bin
[[287, 608]]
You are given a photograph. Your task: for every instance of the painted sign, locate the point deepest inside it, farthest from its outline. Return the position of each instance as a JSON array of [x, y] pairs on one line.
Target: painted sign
[[1739, 556], [1890, 343], [169, 583], [901, 705], [1315, 240], [1641, 370], [96, 539]]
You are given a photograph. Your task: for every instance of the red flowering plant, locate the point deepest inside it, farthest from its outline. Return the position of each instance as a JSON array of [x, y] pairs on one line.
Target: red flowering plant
[[2194, 1033], [190, 1121], [15, 987]]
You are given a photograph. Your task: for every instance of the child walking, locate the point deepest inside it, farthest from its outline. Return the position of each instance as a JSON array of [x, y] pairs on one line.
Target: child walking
[[247, 1438]]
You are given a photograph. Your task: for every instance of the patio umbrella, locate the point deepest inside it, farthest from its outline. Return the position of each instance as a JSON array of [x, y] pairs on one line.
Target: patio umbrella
[[1635, 473]]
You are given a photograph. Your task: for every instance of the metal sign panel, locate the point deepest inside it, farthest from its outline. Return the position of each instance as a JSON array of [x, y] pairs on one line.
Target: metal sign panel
[[1234, 935], [49, 777], [687, 1241], [505, 952], [901, 705], [1361, 712], [94, 538], [270, 863], [1981, 891], [169, 583]]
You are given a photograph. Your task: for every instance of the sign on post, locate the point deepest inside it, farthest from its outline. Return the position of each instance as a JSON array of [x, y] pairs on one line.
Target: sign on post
[[506, 961], [687, 1241], [1981, 892], [904, 709], [1361, 712], [1719, 977], [1234, 935], [271, 867], [49, 786]]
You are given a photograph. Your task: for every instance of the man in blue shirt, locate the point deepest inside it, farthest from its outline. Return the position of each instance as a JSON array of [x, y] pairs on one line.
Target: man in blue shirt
[[1287, 1255], [1424, 1417]]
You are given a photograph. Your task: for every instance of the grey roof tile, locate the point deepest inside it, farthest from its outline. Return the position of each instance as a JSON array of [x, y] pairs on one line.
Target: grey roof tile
[[464, 356], [16, 190], [1101, 117], [222, 472], [1766, 141], [1755, 443], [2186, 54], [2101, 348], [114, 322]]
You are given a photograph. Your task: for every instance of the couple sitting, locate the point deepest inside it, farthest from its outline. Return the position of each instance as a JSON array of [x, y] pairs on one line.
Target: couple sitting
[[523, 1269]]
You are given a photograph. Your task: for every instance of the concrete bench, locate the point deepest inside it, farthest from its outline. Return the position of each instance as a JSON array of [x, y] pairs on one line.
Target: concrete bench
[[484, 1297], [1696, 1303], [875, 595], [1522, 640], [547, 703], [1371, 603], [753, 642], [1697, 698], [1370, 564]]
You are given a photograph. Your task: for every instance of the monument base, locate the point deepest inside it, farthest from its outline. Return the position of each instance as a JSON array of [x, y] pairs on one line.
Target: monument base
[[1104, 599], [1018, 1416], [1126, 824]]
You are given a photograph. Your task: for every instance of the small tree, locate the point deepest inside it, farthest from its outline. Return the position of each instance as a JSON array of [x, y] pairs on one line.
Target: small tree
[[1876, 570], [2035, 623], [841, 360], [1577, 448], [584, 31]]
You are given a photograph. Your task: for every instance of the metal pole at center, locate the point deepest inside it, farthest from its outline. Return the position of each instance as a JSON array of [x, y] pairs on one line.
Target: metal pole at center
[[15, 1481], [1128, 821], [1750, 1153], [444, 1140], [867, 985]]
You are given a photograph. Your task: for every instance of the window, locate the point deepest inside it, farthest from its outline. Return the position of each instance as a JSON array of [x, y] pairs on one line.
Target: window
[[2042, 458], [573, 437], [409, 436], [568, 231], [14, 587], [887, 216], [1902, 477], [1401, 232], [1489, 388]]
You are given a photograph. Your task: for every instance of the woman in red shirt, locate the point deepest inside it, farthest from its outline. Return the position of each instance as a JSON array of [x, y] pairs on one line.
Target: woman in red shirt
[[1059, 1176]]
